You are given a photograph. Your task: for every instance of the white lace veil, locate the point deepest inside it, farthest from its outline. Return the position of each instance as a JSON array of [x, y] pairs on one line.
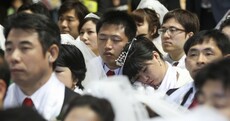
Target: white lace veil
[[154, 5], [119, 92], [86, 51]]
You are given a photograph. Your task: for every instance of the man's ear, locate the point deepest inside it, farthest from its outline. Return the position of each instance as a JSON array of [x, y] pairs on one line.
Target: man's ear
[[3, 89], [188, 35], [53, 53], [186, 63]]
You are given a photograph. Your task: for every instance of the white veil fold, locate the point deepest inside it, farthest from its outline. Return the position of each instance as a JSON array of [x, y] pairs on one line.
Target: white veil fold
[[154, 5], [119, 92]]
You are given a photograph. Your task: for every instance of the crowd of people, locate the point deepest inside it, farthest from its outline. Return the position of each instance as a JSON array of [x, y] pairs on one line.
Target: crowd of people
[[148, 64]]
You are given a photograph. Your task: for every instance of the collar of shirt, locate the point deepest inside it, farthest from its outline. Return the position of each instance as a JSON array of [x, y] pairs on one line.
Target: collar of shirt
[[45, 97]]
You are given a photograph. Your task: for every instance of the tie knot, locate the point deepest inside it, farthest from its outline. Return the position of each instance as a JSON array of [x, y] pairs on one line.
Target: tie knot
[[175, 63], [110, 73], [28, 102]]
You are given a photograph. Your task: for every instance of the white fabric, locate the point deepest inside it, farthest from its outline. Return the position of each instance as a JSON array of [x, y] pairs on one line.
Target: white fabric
[[178, 95], [96, 70], [2, 38], [156, 101], [174, 78], [86, 51], [48, 99], [157, 42], [119, 92], [181, 63], [198, 114], [154, 5]]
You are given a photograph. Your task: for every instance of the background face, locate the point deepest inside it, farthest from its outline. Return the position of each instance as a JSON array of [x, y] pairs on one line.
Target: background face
[[172, 43], [89, 36], [143, 28], [68, 23], [28, 64], [82, 114], [201, 54], [111, 40], [213, 94]]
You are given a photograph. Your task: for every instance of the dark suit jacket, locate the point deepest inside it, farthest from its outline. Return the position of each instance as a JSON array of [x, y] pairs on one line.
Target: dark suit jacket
[[69, 95]]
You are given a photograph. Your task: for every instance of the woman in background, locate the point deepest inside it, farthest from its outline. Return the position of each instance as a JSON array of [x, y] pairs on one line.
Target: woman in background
[[87, 30], [148, 23], [71, 67]]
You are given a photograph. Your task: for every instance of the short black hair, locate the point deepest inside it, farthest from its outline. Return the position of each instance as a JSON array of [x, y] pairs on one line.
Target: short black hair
[[100, 106], [4, 69], [188, 20], [80, 10], [37, 8], [70, 56], [216, 71], [141, 51], [20, 114], [221, 40], [115, 17], [48, 31]]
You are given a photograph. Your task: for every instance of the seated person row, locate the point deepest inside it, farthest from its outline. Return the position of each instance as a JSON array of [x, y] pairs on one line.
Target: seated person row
[[201, 49]]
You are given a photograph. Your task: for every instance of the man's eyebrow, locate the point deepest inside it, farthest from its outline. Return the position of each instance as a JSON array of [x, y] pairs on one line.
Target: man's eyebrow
[[8, 43], [193, 50], [24, 42]]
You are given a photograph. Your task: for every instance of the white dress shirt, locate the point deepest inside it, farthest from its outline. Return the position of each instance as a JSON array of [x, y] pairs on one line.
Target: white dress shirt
[[181, 63], [96, 70], [48, 99]]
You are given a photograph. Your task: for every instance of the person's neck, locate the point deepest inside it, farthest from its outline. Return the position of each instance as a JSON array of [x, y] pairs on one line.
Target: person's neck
[[30, 88], [176, 56], [112, 67], [164, 68]]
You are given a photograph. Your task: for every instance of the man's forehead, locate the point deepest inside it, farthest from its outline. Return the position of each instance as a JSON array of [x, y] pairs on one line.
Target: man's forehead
[[204, 45]]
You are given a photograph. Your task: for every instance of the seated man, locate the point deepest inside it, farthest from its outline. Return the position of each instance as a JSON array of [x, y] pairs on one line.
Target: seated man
[[114, 30], [32, 47], [201, 49], [177, 27], [213, 86]]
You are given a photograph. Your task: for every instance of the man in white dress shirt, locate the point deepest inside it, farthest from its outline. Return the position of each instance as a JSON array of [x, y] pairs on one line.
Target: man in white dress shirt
[[114, 29], [32, 46], [178, 25]]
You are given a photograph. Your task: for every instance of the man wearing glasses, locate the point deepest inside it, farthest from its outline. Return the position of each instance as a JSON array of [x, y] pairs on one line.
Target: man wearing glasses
[[178, 25]]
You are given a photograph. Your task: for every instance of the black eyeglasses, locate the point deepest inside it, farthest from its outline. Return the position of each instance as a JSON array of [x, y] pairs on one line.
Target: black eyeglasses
[[171, 31]]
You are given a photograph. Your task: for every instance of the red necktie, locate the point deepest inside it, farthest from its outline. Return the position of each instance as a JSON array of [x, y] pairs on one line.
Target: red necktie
[[110, 73], [28, 102], [194, 103]]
